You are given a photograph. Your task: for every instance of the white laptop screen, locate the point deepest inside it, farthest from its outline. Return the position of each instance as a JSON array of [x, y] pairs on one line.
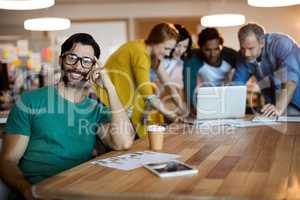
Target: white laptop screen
[[221, 102]]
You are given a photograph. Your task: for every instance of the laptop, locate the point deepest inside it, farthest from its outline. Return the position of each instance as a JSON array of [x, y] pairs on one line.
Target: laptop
[[224, 102]]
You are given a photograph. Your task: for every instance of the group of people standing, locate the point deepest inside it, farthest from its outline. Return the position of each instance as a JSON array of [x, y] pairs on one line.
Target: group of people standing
[[166, 57]]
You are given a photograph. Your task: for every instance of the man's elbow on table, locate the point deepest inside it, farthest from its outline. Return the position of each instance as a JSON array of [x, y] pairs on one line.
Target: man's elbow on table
[[122, 141], [124, 146], [122, 137]]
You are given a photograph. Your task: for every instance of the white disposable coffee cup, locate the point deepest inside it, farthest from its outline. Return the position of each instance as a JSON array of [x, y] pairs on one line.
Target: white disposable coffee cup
[[156, 137]]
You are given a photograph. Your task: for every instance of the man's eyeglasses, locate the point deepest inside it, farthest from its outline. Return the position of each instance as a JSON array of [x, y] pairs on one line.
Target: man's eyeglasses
[[72, 59]]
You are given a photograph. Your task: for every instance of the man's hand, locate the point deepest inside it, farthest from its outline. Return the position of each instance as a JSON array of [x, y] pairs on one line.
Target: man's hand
[[99, 76], [96, 77], [269, 110]]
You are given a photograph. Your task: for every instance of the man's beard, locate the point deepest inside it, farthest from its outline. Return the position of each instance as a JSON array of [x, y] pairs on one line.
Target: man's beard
[[79, 84]]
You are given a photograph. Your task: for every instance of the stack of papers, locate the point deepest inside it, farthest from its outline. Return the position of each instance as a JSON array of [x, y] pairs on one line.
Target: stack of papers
[[135, 160]]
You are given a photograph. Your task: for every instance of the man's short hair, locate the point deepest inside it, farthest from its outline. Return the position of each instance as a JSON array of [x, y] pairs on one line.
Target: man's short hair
[[209, 34], [82, 38], [251, 28]]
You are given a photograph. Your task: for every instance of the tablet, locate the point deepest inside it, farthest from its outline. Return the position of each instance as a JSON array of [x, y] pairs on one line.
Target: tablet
[[171, 168]]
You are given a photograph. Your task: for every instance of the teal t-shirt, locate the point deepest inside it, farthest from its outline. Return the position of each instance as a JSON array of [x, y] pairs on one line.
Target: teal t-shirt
[[62, 134]]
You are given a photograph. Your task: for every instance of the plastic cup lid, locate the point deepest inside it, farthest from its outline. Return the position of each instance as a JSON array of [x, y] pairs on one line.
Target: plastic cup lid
[[156, 128]]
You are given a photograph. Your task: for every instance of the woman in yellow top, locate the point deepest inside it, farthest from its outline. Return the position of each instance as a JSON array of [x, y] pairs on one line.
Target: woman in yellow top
[[129, 70]]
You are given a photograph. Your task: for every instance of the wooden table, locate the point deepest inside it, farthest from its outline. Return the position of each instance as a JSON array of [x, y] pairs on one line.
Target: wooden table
[[234, 163]]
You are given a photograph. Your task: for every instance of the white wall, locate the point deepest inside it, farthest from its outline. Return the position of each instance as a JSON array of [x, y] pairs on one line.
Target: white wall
[[274, 19], [109, 35]]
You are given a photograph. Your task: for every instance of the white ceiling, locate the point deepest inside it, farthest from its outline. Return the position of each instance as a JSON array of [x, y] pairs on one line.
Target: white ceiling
[[102, 1], [136, 1]]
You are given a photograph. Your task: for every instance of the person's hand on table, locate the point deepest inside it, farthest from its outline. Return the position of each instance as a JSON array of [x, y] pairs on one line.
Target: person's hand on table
[[182, 111], [171, 116], [183, 119], [181, 115], [179, 119], [269, 110]]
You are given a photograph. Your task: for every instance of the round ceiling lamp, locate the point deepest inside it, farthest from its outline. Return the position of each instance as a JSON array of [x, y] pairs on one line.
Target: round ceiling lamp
[[47, 24], [273, 3], [223, 20], [25, 4]]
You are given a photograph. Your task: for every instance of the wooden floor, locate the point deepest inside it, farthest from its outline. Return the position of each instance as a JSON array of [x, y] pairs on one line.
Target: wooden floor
[[243, 163]]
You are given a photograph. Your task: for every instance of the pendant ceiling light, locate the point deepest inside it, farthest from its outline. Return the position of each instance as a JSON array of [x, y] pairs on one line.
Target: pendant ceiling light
[[25, 4], [272, 3], [223, 20], [47, 24]]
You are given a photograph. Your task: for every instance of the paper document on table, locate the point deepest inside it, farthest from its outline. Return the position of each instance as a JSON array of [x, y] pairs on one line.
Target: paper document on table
[[239, 123], [206, 124], [277, 119], [134, 160], [288, 119], [250, 123], [264, 119]]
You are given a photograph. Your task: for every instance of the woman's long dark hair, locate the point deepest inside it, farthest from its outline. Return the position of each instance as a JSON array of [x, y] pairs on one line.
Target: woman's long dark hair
[[183, 35]]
